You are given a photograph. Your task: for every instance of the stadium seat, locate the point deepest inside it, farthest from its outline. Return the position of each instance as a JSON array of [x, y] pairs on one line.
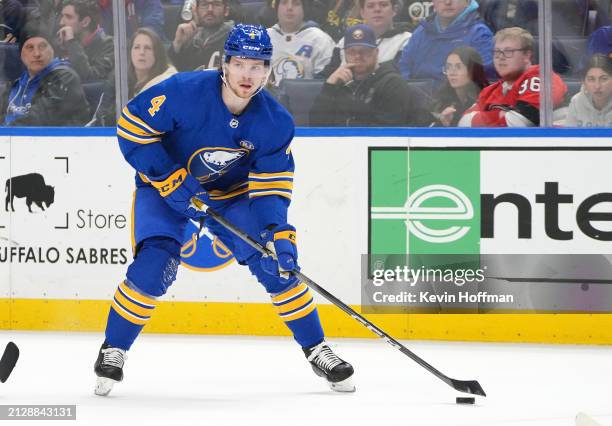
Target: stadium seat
[[172, 19], [573, 86], [10, 62], [423, 89], [573, 49], [298, 97], [93, 92]]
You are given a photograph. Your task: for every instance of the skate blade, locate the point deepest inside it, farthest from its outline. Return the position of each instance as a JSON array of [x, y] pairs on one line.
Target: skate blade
[[104, 386], [345, 385]]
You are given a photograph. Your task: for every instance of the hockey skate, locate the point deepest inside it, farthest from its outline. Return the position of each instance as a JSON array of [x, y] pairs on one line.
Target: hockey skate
[[108, 368], [325, 363]]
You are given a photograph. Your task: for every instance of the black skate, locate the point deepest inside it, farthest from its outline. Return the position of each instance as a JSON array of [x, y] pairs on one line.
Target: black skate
[[108, 368], [325, 363]]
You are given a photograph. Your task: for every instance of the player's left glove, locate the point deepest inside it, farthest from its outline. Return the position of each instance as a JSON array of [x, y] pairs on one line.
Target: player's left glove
[[280, 240]]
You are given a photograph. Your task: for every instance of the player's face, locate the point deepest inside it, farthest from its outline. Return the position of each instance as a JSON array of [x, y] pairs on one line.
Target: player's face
[[245, 76], [362, 59], [290, 13], [449, 9], [142, 54], [212, 13], [510, 59], [378, 14], [456, 72], [36, 54], [598, 84]]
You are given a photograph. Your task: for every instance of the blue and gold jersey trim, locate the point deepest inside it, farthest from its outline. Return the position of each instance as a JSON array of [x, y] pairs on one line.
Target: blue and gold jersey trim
[[233, 191], [263, 184], [134, 129]]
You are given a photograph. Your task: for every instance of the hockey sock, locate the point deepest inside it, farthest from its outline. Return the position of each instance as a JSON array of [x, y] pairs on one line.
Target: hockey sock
[[129, 312], [297, 308]]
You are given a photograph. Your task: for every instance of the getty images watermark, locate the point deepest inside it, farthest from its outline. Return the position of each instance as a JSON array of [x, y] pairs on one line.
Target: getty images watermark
[[482, 283]]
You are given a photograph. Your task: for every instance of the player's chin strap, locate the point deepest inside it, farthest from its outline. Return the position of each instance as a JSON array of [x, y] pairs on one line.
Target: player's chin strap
[[263, 83]]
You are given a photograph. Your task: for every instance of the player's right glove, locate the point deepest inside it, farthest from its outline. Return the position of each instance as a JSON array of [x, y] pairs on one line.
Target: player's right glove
[[183, 193]]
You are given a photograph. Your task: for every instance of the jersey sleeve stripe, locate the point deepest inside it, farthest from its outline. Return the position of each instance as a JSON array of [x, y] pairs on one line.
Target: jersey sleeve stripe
[[269, 192], [289, 294], [139, 122], [136, 139], [300, 313], [132, 128], [271, 185], [271, 175]]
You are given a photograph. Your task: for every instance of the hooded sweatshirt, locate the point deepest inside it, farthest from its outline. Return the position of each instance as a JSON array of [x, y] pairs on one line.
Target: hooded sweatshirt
[[582, 112], [429, 46]]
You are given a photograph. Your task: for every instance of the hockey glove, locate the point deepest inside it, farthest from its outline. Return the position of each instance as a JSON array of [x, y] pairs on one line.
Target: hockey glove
[[183, 193], [280, 240]]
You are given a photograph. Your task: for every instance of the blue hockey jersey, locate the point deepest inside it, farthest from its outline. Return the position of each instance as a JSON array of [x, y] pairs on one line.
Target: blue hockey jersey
[[183, 122]]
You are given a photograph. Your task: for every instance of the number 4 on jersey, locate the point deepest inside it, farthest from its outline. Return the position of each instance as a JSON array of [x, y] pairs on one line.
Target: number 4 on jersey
[[156, 103]]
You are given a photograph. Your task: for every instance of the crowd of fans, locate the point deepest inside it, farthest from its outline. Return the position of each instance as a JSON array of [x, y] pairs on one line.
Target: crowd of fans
[[378, 62]]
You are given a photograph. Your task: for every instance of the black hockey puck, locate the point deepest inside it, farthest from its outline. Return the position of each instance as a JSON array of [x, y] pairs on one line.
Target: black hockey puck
[[465, 400]]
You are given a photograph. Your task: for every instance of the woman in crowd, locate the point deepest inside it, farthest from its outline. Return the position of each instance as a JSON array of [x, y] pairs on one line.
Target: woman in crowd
[[592, 106], [149, 65], [465, 78]]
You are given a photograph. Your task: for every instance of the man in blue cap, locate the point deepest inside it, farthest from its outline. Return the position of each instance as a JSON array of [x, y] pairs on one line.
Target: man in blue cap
[[362, 92]]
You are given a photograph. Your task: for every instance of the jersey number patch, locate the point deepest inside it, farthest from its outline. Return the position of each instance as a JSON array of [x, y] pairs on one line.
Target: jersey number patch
[[156, 103], [533, 85]]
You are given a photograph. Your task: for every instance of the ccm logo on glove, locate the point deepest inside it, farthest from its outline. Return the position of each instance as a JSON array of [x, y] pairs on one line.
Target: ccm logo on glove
[[167, 186]]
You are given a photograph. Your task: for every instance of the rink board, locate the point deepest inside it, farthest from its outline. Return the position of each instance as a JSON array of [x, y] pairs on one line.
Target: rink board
[[59, 268]]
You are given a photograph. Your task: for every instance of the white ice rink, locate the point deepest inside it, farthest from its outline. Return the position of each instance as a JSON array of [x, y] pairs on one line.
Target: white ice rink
[[209, 380]]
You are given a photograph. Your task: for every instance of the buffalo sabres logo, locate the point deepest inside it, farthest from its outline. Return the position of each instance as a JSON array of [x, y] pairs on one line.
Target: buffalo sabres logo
[[358, 34], [208, 164]]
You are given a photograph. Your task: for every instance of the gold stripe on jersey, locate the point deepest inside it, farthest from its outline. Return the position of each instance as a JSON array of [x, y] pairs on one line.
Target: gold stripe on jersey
[[136, 139], [275, 184], [271, 175], [270, 192], [138, 121]]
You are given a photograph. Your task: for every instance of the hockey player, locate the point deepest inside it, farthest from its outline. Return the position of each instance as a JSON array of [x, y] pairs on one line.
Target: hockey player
[[231, 150], [514, 100]]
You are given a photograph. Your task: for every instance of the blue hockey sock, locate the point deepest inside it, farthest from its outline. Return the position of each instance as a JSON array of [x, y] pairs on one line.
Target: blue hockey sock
[[129, 312], [297, 308]]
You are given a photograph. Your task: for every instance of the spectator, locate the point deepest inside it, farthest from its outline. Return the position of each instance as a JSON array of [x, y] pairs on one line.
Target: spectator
[[301, 49], [362, 92], [600, 41], [465, 79], [200, 41], [500, 14], [378, 14], [12, 19], [139, 13], [513, 101], [592, 106], [454, 23], [45, 15], [48, 93], [340, 14], [148, 66], [84, 42]]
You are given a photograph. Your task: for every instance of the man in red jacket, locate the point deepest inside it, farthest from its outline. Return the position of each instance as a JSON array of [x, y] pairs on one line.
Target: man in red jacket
[[514, 100]]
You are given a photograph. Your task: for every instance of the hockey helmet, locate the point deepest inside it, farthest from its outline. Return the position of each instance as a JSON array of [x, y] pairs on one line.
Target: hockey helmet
[[248, 41]]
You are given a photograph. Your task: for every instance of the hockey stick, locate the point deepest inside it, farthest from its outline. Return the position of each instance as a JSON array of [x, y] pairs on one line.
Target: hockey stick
[[8, 361], [468, 386]]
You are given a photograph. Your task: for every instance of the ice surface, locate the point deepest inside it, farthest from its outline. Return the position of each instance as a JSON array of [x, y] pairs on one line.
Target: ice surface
[[227, 380]]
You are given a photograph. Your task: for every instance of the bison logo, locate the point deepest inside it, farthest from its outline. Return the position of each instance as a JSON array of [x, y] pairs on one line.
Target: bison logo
[[31, 186]]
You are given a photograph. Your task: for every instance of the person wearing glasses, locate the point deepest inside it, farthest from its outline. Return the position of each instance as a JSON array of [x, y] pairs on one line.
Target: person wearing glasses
[[199, 42], [465, 78], [514, 100], [454, 23]]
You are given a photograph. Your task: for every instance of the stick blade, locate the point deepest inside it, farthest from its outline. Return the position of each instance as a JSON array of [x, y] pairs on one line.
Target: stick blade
[[468, 386], [8, 361]]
